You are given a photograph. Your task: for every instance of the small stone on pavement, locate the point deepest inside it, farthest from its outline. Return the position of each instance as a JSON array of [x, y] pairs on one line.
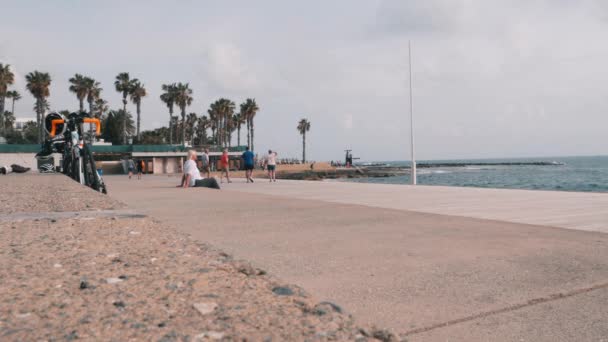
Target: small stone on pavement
[[205, 308]]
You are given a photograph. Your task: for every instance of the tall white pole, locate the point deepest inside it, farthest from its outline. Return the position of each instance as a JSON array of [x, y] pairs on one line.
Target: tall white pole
[[413, 169]]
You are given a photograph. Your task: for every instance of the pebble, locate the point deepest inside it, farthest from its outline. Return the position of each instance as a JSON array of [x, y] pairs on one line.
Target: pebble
[[282, 291], [205, 308], [133, 232], [214, 335], [57, 265], [84, 284], [113, 280]]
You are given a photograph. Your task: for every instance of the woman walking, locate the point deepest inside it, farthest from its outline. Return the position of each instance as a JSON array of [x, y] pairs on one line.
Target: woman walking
[[225, 166]]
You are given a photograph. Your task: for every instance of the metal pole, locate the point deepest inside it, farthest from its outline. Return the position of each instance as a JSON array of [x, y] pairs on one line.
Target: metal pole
[[413, 169]]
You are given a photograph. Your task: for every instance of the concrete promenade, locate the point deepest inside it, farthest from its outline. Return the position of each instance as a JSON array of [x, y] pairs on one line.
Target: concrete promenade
[[432, 263]]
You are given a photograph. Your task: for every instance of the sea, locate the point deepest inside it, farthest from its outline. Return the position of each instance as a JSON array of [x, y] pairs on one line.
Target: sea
[[588, 174]]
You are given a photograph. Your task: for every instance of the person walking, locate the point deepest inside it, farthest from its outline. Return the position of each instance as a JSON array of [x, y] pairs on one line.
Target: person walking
[[225, 166], [130, 167], [140, 168], [248, 161], [271, 165], [205, 163]]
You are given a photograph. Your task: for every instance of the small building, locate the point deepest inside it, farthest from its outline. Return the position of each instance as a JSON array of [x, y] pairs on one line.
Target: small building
[[19, 123]]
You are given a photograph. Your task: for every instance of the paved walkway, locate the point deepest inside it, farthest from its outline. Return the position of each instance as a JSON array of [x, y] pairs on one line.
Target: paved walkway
[[574, 210], [428, 276]]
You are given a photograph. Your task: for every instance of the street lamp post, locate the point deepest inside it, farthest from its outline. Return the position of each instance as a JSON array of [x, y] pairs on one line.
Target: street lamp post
[[413, 169]]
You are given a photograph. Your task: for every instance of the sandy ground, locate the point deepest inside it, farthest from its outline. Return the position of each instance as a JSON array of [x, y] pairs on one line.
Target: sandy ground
[[429, 277], [75, 264]]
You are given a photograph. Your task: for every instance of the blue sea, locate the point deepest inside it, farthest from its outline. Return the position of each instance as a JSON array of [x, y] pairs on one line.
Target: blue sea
[[588, 174]]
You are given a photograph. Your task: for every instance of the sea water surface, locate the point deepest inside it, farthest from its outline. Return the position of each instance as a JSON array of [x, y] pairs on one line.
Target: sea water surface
[[572, 174]]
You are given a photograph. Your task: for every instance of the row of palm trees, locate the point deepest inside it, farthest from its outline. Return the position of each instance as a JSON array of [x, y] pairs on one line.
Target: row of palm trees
[[7, 78], [222, 118]]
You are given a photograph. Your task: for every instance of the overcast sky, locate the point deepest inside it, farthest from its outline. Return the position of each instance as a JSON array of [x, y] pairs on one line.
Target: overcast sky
[[491, 78]]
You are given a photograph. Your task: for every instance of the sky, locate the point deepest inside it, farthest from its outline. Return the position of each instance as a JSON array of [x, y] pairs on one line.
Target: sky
[[491, 78]]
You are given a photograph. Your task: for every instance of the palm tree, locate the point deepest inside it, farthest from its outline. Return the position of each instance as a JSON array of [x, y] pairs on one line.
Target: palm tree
[[202, 123], [117, 125], [239, 120], [15, 96], [9, 119], [124, 85], [93, 91], [38, 84], [100, 107], [79, 86], [303, 127], [6, 78], [168, 97], [137, 93], [175, 126], [226, 109], [250, 108], [183, 99], [191, 121], [213, 124]]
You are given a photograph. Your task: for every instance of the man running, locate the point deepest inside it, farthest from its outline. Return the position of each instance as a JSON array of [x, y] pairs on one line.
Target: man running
[[249, 164], [192, 176], [271, 165]]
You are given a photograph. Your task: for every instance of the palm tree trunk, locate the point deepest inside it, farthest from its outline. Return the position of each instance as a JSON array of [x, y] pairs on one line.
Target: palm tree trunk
[[248, 134], [252, 130], [303, 147], [38, 120], [184, 125], [124, 120], [81, 102], [238, 137], [2, 114], [91, 134], [170, 126], [138, 118], [13, 108]]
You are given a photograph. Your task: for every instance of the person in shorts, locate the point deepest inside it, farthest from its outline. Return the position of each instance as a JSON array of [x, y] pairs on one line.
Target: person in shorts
[[192, 176], [249, 163], [130, 167], [225, 166], [140, 168], [205, 168], [271, 165]]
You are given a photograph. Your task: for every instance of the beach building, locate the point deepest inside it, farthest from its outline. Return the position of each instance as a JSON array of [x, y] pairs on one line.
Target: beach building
[[111, 159], [19, 123]]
